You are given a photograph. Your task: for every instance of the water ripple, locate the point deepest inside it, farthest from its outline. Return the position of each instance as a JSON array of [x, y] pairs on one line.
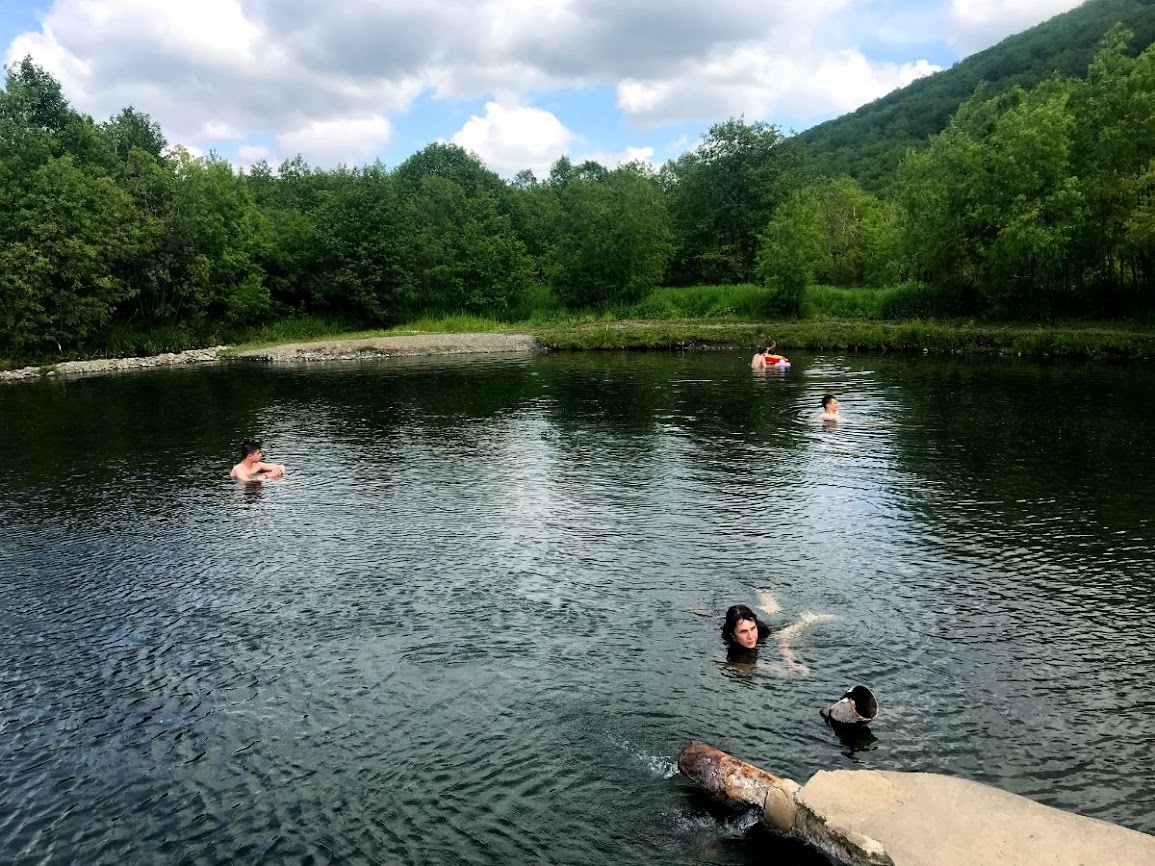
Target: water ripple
[[479, 618]]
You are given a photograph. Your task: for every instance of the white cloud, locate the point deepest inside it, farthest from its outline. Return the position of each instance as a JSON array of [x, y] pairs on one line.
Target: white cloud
[[204, 69], [510, 138], [249, 155], [328, 143], [981, 23], [754, 83], [329, 79]]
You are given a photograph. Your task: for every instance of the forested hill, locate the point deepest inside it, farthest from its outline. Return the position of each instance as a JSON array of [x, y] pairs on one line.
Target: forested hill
[[869, 143]]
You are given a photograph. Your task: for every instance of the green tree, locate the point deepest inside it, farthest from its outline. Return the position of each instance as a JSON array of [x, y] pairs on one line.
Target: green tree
[[612, 243], [721, 196], [132, 129], [463, 253], [213, 237], [361, 229], [793, 247], [63, 241]]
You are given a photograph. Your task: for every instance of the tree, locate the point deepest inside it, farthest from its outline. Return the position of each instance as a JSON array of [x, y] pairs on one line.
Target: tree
[[132, 129], [612, 243], [721, 196], [450, 162], [214, 236], [63, 240], [360, 228], [793, 247], [462, 253]]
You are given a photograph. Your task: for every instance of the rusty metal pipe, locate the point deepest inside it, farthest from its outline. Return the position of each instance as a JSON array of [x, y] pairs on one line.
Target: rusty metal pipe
[[744, 783]]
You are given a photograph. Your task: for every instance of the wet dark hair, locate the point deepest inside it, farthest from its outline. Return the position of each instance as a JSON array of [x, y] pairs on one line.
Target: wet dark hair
[[736, 614], [826, 398], [248, 447]]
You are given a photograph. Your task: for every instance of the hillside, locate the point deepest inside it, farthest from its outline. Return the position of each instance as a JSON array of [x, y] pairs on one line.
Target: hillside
[[867, 144]]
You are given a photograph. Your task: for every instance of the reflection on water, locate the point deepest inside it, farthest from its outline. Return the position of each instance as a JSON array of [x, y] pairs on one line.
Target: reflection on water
[[480, 615]]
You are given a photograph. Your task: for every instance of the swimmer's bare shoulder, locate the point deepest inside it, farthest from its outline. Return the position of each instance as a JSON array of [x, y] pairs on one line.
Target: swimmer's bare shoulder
[[261, 470]]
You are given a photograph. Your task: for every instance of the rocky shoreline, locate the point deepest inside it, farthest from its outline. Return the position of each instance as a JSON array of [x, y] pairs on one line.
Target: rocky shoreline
[[113, 365], [324, 350]]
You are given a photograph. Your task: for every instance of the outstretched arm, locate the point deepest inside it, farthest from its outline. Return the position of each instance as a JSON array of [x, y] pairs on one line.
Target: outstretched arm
[[274, 470]]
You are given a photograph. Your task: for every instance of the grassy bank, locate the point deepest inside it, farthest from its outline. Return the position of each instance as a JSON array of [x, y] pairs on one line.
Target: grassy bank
[[898, 318], [1081, 340], [1072, 341]]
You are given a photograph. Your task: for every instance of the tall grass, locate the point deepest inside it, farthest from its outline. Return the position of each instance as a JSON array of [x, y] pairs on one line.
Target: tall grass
[[744, 301], [120, 340], [452, 323], [295, 329]]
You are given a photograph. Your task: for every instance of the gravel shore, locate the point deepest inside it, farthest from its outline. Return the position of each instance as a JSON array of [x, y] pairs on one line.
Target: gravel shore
[[323, 350], [391, 347]]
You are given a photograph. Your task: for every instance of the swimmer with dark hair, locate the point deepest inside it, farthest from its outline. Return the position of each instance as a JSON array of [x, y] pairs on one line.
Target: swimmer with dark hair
[[759, 361], [829, 408], [743, 633], [251, 468]]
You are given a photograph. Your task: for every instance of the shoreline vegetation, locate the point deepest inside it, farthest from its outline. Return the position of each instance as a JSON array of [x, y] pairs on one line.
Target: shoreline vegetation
[[123, 246], [1110, 341]]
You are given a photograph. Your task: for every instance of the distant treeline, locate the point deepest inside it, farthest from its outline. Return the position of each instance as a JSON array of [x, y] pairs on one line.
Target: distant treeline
[[1031, 203]]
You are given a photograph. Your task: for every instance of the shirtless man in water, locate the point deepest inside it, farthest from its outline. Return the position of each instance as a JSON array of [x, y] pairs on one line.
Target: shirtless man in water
[[251, 468], [758, 362], [829, 409]]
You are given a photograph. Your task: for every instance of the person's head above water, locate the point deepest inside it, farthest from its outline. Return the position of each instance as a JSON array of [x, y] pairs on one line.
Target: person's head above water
[[827, 399], [741, 627], [250, 446]]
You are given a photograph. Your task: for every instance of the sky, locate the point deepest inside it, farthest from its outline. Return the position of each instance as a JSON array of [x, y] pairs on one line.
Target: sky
[[518, 82]]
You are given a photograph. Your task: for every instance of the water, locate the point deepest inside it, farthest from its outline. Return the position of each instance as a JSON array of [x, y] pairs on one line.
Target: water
[[479, 617]]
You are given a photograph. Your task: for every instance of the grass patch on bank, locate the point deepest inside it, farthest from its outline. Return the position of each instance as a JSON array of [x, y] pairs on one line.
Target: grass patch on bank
[[451, 324], [907, 318], [842, 335]]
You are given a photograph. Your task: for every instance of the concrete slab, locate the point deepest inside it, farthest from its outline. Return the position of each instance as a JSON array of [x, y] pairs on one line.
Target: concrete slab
[[924, 819], [880, 818]]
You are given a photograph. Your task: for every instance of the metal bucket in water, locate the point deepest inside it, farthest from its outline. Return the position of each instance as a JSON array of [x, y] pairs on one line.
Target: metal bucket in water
[[857, 707]]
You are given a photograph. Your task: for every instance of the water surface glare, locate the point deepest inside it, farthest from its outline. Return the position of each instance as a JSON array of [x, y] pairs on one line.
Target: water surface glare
[[479, 617]]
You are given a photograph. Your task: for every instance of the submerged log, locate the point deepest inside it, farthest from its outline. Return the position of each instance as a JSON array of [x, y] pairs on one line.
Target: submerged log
[[880, 818]]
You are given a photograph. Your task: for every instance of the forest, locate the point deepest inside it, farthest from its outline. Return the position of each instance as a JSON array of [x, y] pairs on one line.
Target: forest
[[869, 143], [1032, 203]]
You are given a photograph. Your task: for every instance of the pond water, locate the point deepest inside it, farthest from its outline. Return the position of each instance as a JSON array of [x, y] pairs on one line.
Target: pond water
[[479, 617]]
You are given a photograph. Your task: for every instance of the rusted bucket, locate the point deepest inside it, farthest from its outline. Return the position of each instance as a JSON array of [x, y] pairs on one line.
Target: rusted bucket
[[857, 707]]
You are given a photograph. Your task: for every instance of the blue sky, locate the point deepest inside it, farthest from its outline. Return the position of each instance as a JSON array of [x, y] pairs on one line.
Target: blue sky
[[519, 82]]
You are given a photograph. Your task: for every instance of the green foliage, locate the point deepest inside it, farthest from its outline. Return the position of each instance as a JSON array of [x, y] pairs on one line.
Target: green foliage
[[130, 129], [451, 163], [122, 340], [212, 241], [911, 336], [463, 253], [1033, 204], [885, 303], [61, 246], [612, 240], [721, 196], [868, 144], [359, 223], [793, 248]]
